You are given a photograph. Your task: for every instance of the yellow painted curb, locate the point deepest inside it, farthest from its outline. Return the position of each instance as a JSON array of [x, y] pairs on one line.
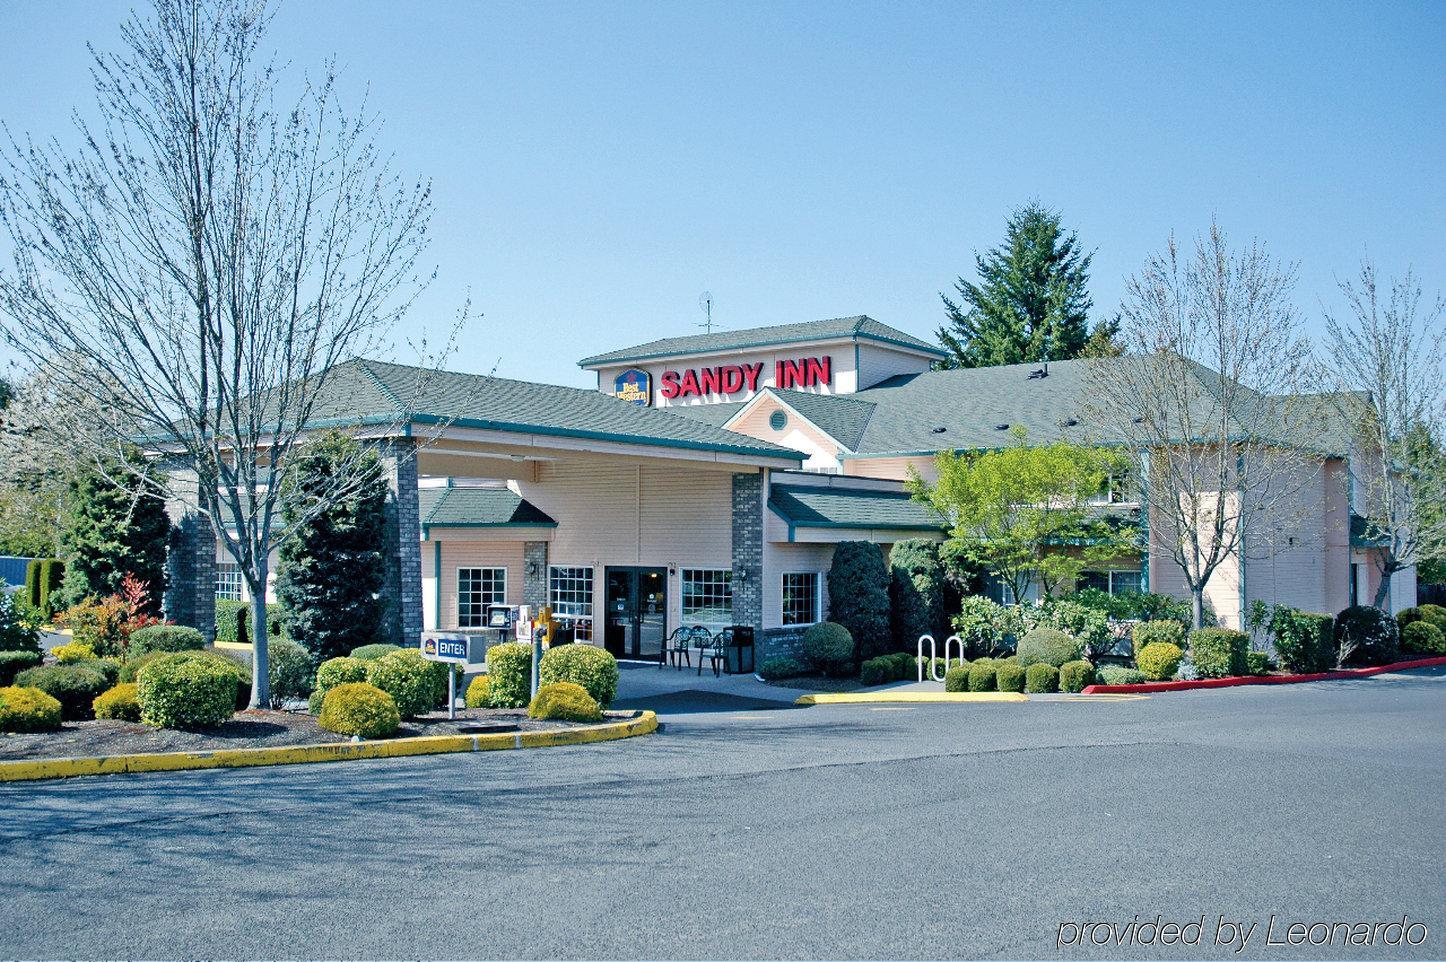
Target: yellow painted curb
[[909, 697], [22, 771], [233, 645]]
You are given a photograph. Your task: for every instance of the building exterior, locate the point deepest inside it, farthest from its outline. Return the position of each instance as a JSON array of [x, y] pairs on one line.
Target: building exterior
[[708, 478]]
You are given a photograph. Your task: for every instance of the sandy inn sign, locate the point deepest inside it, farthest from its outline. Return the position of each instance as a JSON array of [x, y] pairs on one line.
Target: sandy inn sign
[[732, 378]]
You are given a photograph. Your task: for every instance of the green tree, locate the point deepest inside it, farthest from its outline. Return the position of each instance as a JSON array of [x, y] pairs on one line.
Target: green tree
[[111, 530], [916, 590], [1026, 513], [858, 591], [329, 573], [1031, 302]]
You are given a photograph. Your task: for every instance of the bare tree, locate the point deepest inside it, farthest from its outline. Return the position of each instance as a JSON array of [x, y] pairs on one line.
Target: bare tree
[[205, 259], [1206, 393], [1386, 357]]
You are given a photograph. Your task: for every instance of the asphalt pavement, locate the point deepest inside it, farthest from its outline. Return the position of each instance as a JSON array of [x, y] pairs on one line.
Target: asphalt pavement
[[751, 829]]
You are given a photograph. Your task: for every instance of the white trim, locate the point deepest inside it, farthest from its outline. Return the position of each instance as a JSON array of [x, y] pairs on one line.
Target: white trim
[[769, 392], [818, 577], [458, 582]]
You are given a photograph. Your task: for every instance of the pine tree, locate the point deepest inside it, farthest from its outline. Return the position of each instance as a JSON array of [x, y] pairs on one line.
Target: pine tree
[[111, 531], [1032, 300], [329, 575]]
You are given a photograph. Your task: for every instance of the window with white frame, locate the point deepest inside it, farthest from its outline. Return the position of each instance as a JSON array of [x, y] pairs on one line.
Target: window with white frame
[[476, 589], [569, 592], [707, 597], [228, 582], [1111, 582], [800, 598]]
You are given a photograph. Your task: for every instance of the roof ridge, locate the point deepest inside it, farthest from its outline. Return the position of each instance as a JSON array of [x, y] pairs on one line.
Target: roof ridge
[[381, 385]]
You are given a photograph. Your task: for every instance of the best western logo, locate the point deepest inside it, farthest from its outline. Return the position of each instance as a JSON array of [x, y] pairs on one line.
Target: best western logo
[[634, 386]]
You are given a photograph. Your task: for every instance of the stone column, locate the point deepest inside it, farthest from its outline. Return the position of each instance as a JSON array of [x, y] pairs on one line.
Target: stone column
[[748, 552], [190, 597], [534, 575], [402, 581]]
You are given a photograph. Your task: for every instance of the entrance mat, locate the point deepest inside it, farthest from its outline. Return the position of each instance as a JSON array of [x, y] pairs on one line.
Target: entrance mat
[[699, 700]]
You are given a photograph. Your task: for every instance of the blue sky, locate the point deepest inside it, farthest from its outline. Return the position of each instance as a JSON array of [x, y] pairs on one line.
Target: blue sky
[[597, 166]]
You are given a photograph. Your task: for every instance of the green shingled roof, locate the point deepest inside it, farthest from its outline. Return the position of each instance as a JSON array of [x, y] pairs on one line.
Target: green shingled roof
[[475, 507], [842, 417], [804, 506], [859, 326]]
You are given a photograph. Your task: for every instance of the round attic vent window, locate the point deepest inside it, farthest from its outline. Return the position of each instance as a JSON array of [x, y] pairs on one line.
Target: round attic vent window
[[778, 420]]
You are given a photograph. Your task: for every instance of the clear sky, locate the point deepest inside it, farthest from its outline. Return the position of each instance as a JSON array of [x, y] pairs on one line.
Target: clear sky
[[597, 166]]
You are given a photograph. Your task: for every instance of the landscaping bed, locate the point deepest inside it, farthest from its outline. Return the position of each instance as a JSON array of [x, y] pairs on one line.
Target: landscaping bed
[[252, 729]]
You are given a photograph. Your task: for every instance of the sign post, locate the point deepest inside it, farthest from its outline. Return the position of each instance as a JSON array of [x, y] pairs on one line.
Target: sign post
[[454, 650]]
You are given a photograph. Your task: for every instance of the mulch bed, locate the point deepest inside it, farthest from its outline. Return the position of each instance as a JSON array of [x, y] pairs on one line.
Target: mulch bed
[[251, 729]]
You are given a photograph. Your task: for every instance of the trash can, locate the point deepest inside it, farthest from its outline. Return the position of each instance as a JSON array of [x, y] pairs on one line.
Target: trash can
[[739, 653]]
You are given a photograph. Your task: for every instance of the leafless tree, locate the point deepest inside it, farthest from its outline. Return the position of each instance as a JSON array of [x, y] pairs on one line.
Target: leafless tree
[[1383, 353], [205, 258], [1207, 393]]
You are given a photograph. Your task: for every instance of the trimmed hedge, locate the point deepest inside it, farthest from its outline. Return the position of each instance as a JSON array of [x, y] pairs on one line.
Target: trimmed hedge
[[478, 692], [26, 709], [858, 590], [233, 621], [359, 709], [592, 668], [120, 702], [982, 676], [564, 701], [374, 651], [14, 662], [1010, 676], [185, 691], [957, 678], [167, 638], [829, 648], [1259, 663], [1219, 652], [780, 666], [509, 665], [1304, 640], [1158, 660], [1150, 632], [1040, 678], [1049, 646], [75, 686], [72, 652], [1365, 635], [241, 672], [1076, 676], [1115, 675], [876, 671], [334, 672], [1423, 638], [407, 680], [51, 575]]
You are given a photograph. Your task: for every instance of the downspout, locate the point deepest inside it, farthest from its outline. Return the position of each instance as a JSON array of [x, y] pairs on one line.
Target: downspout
[[436, 586], [1145, 521], [1240, 490]]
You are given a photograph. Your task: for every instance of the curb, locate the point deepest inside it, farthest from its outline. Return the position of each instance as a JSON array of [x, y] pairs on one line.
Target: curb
[[908, 697], [1337, 675], [23, 771]]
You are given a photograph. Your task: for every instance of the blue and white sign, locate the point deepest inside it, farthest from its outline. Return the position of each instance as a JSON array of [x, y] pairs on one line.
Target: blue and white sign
[[634, 386], [448, 648]]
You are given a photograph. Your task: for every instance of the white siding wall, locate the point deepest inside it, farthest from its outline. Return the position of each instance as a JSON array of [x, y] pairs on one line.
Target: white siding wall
[[878, 363], [780, 559]]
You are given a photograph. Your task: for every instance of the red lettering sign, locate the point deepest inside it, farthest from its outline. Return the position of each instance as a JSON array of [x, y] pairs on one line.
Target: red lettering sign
[[732, 378]]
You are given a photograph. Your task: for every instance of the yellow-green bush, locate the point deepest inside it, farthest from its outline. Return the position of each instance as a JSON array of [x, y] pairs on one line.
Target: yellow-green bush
[[1158, 660], [509, 668], [956, 679], [1149, 632], [1040, 678], [407, 677], [593, 668], [1076, 676], [982, 676], [74, 686], [333, 672], [357, 708], [564, 701], [1423, 638], [186, 691], [478, 692], [1010, 676], [121, 702], [28, 710], [73, 652]]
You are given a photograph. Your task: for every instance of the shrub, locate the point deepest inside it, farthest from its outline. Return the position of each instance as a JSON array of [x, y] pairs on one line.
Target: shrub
[[74, 686], [1088, 625], [241, 672], [1010, 676], [564, 701], [1150, 632], [982, 625], [120, 702], [1219, 652], [233, 621], [1423, 638], [1258, 663], [478, 692], [357, 708], [1076, 676], [509, 666], [916, 590], [1365, 635], [186, 691], [101, 623], [132, 666], [108, 667], [593, 668], [981, 677], [780, 666], [1304, 641], [288, 667], [14, 662], [52, 575], [73, 652], [1433, 614], [906, 666], [407, 680], [436, 672], [858, 590], [929, 668], [17, 630], [373, 651], [26, 709], [32, 582], [876, 671], [957, 678], [1048, 645], [829, 647], [1158, 660], [1115, 675], [168, 638], [1040, 678]]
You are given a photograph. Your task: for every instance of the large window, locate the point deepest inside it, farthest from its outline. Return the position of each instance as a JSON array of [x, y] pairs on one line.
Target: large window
[[228, 582], [569, 592], [999, 591], [476, 589], [1111, 582], [708, 597], [800, 598]]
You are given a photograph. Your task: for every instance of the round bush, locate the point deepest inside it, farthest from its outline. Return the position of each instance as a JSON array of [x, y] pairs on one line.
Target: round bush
[[1010, 676], [509, 666], [186, 691], [339, 671], [906, 666], [876, 671], [1219, 652], [14, 662], [780, 666], [121, 702], [829, 648], [478, 692], [74, 686], [981, 677], [1048, 646], [1259, 663], [1149, 632], [592, 668], [1158, 660], [1423, 638], [241, 672], [1366, 635], [357, 708], [1040, 677], [25, 709], [167, 638], [72, 653], [564, 701], [405, 679], [288, 667], [1076, 676], [957, 678], [1434, 614], [1115, 675], [373, 652], [436, 672]]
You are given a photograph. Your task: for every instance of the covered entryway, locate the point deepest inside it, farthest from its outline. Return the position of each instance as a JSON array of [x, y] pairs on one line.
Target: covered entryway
[[637, 612]]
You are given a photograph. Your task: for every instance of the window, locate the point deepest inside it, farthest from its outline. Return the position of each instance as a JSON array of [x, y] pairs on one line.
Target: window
[[476, 589], [800, 598], [997, 590], [228, 582], [1111, 582], [778, 420], [569, 592], [708, 597], [1117, 489]]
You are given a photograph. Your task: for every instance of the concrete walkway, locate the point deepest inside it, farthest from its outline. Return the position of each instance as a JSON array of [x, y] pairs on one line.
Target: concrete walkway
[[668, 690]]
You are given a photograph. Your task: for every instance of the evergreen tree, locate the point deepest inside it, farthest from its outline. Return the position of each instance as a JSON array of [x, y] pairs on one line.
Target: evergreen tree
[[329, 574], [1032, 300], [858, 592], [110, 531], [917, 591]]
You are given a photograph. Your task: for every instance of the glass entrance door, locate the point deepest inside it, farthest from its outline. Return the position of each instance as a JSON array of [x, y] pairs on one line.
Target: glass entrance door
[[637, 612]]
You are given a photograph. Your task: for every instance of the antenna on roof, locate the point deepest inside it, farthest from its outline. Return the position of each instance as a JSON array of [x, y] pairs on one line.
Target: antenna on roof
[[493, 372], [705, 304]]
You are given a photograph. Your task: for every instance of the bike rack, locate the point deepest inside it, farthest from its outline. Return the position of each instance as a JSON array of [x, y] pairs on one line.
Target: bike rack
[[949, 645], [919, 660]]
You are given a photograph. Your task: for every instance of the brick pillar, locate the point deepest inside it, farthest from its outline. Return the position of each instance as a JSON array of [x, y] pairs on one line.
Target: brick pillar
[[748, 551], [402, 581], [190, 597], [534, 575]]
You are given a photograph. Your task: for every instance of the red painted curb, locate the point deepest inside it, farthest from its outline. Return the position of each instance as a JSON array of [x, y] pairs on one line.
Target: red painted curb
[[1156, 686]]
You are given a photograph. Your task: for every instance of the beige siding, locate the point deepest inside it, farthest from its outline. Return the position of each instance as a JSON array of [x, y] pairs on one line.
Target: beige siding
[[477, 554], [896, 469], [781, 559], [798, 434]]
